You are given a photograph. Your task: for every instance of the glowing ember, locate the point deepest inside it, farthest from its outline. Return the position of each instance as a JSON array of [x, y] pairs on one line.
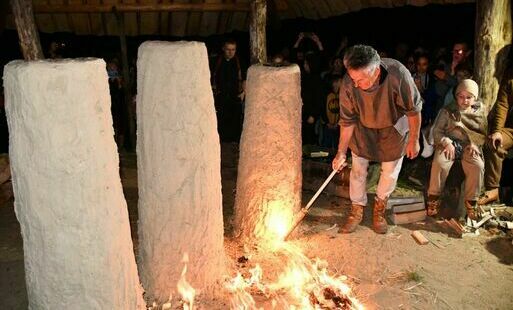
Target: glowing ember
[[184, 288], [302, 284]]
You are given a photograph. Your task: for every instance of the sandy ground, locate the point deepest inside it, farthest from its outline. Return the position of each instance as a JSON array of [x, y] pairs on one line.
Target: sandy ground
[[386, 271]]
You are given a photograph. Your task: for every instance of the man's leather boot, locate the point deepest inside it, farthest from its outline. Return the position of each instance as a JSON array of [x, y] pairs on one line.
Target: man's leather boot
[[471, 209], [433, 205], [354, 219], [379, 223]]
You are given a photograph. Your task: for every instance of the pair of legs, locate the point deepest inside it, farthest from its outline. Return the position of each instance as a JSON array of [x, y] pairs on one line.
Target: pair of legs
[[473, 168], [358, 179], [493, 166], [358, 192], [229, 118]]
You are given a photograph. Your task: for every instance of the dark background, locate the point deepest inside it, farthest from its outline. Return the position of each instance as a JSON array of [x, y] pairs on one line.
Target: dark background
[[429, 26]]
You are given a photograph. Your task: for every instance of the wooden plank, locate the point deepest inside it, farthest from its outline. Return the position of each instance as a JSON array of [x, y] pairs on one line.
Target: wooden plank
[[392, 201], [408, 218], [410, 207], [419, 237], [242, 6]]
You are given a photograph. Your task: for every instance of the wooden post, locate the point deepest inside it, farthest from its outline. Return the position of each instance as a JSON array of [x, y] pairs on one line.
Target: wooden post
[[127, 92], [493, 37], [27, 30], [257, 35]]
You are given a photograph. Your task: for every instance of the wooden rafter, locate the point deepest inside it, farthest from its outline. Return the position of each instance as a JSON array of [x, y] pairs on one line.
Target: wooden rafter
[[142, 7]]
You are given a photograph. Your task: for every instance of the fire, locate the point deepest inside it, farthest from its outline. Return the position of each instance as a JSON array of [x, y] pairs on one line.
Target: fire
[[303, 284], [184, 288]]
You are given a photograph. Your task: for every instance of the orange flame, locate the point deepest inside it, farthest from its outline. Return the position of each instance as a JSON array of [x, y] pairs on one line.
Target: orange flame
[[302, 284]]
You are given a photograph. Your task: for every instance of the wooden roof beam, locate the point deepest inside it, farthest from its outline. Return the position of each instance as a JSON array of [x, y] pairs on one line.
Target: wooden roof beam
[[142, 7]]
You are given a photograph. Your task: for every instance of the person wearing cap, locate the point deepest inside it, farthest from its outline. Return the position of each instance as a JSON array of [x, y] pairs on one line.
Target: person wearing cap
[[379, 121], [500, 139], [459, 133]]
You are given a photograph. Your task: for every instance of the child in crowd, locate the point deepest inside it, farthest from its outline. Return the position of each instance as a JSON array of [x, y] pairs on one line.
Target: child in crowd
[[459, 132], [425, 84]]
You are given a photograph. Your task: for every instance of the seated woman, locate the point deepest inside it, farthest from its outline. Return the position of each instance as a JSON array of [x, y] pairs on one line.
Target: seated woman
[[459, 132]]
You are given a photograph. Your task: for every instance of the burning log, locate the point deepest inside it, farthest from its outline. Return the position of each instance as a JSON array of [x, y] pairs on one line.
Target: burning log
[[179, 169], [269, 174], [68, 195]]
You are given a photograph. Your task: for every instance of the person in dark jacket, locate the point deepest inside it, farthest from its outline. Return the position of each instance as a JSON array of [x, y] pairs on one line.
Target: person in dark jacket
[[228, 81]]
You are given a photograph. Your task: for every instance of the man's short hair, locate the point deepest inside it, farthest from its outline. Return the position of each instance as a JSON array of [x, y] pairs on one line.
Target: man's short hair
[[462, 42], [361, 57], [230, 41]]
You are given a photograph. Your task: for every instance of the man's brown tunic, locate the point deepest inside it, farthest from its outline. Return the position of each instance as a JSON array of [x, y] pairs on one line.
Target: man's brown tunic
[[380, 113]]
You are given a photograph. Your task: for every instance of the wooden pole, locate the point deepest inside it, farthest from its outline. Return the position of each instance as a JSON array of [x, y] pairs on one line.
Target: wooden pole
[[27, 30], [257, 36], [127, 92], [492, 44]]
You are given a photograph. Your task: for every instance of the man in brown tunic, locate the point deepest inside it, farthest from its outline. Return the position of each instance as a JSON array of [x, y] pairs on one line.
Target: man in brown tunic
[[379, 121], [500, 139]]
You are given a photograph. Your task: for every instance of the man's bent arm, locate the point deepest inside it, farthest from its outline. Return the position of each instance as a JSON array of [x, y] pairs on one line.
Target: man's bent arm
[[346, 132], [414, 121], [413, 147]]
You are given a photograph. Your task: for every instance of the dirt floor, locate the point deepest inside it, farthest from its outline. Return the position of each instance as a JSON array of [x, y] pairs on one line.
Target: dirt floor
[[386, 271]]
